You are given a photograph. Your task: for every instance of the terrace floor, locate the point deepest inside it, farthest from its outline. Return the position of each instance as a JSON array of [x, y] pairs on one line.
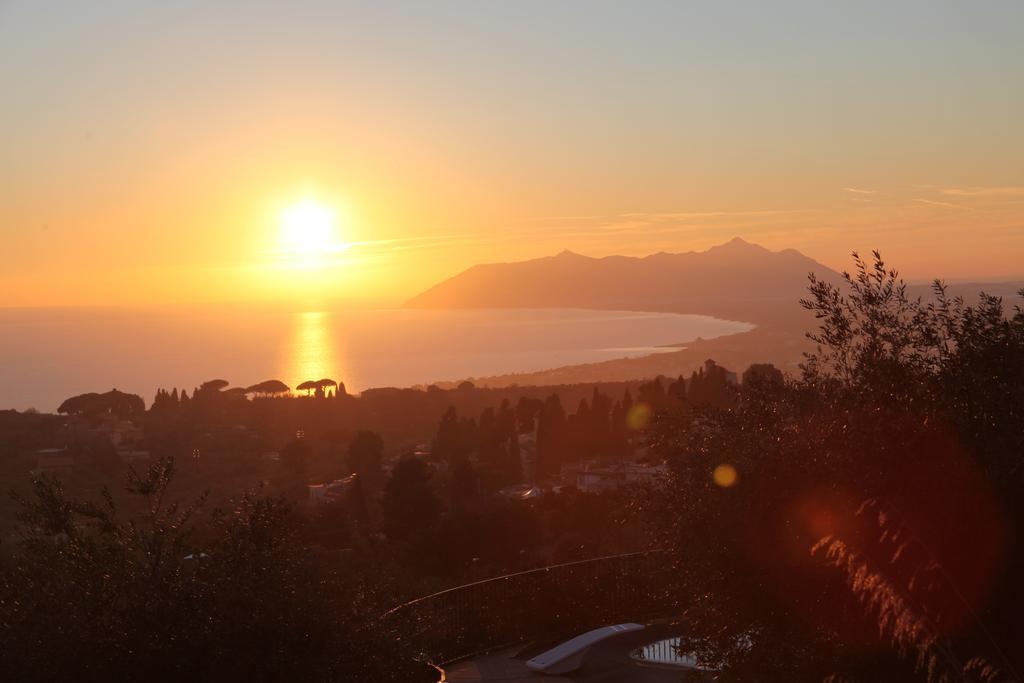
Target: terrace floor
[[609, 661]]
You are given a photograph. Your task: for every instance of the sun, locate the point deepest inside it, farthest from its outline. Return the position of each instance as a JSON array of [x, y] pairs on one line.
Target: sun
[[307, 229]]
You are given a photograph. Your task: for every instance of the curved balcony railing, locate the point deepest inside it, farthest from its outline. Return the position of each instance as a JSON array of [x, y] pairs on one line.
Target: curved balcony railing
[[533, 605]]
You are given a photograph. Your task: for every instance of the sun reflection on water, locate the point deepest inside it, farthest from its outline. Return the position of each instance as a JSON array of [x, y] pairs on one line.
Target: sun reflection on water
[[312, 355]]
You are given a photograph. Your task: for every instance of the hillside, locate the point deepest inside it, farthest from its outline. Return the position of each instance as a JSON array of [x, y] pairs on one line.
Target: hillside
[[780, 346], [736, 280]]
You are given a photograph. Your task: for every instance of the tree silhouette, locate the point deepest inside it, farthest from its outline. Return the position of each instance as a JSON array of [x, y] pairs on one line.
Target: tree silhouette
[[709, 386], [763, 378], [270, 387], [113, 402], [213, 386], [365, 458], [409, 503], [323, 384], [551, 439], [869, 499], [292, 466], [155, 589], [449, 444]]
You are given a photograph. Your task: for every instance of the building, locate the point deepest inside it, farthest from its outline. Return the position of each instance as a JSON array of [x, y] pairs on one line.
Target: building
[[133, 456], [53, 461], [528, 455], [522, 492], [331, 492], [595, 478], [121, 433]]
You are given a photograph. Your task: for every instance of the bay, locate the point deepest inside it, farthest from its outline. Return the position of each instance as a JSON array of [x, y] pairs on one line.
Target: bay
[[47, 355]]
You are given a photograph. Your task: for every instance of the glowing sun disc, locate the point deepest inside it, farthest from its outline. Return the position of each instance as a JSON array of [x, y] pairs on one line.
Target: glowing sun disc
[[307, 228]]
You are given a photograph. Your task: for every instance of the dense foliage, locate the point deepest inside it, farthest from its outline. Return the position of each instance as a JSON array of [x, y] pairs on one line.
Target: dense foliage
[[171, 592], [869, 525]]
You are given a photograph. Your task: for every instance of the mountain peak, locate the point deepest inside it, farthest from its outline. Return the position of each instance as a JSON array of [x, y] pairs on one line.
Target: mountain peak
[[737, 243], [736, 280], [738, 247]]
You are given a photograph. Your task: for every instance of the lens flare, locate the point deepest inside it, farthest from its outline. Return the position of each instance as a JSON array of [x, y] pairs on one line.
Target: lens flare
[[638, 417], [725, 475]]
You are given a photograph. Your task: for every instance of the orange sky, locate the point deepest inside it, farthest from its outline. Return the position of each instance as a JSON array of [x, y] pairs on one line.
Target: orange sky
[[149, 151]]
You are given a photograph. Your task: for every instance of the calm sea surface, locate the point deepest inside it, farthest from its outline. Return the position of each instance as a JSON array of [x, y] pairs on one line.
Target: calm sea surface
[[47, 355]]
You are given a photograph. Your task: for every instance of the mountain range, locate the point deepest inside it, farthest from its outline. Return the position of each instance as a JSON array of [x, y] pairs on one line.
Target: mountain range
[[736, 280]]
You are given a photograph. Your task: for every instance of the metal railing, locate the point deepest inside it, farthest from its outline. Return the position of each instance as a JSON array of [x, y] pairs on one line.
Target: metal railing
[[534, 605]]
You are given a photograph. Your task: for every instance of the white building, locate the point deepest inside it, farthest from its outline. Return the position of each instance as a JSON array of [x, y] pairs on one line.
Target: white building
[[594, 478], [331, 491]]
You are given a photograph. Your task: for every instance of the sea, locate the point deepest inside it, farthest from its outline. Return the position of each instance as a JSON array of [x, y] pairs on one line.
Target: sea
[[49, 354]]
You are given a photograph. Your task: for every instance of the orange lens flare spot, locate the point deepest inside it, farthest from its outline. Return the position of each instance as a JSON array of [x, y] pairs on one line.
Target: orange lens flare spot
[[725, 475], [639, 416]]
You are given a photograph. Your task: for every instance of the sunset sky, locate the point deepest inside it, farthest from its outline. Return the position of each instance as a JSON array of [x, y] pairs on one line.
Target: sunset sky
[[155, 152]]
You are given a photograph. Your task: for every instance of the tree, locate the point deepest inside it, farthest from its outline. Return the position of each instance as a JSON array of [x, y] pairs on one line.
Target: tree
[[292, 465], [513, 469], [526, 411], [212, 386], [763, 378], [365, 458], [551, 437], [866, 503], [113, 402], [270, 387], [449, 444], [464, 486], [677, 389], [410, 506], [709, 386], [652, 394], [176, 591], [321, 386]]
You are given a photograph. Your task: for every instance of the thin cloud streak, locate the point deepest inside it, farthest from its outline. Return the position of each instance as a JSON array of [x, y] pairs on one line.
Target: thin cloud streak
[[639, 225], [947, 205], [984, 191]]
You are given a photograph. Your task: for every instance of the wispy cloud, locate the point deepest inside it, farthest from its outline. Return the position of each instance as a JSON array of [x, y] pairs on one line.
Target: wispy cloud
[[1017, 191], [858, 190], [673, 229], [589, 217], [664, 216], [947, 205]]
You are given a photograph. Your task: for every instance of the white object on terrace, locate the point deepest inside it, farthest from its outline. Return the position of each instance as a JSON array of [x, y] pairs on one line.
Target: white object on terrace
[[569, 655]]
